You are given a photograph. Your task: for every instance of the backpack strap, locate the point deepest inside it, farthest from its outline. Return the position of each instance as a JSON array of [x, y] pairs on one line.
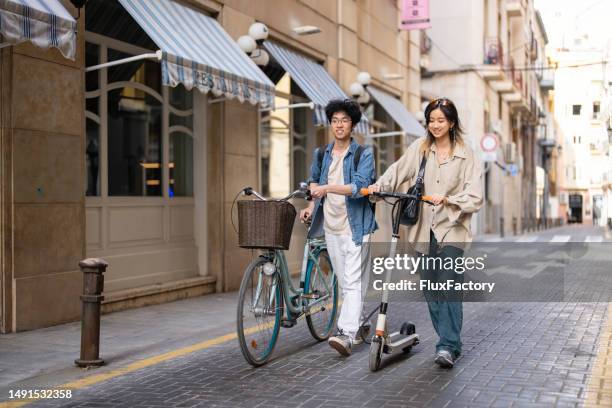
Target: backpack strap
[[320, 155], [357, 156]]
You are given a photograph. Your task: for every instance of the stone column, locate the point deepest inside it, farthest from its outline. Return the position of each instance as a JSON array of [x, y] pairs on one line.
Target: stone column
[[43, 184]]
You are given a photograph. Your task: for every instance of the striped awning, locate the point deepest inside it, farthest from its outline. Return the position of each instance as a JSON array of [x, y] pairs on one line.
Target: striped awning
[[396, 109], [197, 52], [46, 23], [313, 80]]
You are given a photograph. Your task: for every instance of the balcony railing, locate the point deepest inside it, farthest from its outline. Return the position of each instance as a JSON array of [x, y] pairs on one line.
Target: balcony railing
[[516, 75], [493, 51]]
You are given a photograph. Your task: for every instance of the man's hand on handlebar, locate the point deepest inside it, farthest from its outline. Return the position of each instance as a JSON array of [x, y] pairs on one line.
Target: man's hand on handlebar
[[306, 213], [318, 191]]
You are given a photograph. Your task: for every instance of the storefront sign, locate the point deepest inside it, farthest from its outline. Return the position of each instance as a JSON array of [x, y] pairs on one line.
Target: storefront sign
[[415, 15]]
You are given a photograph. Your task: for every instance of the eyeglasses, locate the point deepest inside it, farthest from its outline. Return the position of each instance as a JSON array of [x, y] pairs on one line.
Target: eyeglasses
[[344, 121]]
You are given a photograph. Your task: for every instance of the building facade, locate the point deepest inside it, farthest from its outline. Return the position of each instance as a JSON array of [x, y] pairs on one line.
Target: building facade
[[582, 109], [481, 54], [137, 164]]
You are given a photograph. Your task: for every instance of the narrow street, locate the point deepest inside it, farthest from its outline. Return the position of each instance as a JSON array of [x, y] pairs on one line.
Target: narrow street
[[515, 354]]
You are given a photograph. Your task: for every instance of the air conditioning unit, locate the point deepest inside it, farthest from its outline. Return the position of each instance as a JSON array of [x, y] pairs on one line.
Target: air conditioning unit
[[510, 153], [563, 197]]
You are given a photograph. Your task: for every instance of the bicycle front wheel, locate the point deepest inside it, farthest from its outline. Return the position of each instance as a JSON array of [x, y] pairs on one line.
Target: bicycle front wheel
[[320, 283], [260, 310]]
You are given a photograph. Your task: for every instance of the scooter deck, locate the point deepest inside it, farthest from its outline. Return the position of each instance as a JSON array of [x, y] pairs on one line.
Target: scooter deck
[[398, 341]]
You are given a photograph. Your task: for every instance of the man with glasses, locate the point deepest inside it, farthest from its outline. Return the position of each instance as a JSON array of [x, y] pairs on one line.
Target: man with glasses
[[338, 172]]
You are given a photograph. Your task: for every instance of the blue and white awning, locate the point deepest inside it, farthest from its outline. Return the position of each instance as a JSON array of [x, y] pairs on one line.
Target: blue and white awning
[[396, 109], [46, 23], [313, 80], [197, 52]]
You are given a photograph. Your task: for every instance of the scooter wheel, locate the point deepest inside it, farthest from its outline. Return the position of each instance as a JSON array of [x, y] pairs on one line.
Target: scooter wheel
[[376, 348], [407, 349], [408, 328]]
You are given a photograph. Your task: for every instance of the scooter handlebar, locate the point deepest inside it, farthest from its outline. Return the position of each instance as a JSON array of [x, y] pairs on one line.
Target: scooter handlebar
[[366, 192]]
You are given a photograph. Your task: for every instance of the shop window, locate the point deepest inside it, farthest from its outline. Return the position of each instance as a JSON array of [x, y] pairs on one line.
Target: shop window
[[135, 134], [92, 156], [180, 161], [180, 164], [285, 139], [134, 128], [92, 124]]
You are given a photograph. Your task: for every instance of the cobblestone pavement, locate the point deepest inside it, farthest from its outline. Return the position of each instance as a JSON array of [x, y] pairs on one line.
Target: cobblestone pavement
[[515, 354], [530, 354]]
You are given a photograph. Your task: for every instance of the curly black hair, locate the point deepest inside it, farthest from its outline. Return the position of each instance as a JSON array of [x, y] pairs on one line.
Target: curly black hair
[[349, 106]]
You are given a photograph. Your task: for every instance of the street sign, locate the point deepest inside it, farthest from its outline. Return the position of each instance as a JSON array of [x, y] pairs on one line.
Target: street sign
[[489, 143]]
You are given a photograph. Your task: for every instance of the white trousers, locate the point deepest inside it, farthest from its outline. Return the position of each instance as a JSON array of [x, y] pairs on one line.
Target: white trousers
[[346, 259]]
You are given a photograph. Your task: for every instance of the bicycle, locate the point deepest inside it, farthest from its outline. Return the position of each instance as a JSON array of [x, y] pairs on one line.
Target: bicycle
[[266, 292]]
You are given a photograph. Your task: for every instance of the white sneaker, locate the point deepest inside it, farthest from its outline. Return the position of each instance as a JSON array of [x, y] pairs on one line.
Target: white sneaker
[[444, 359], [341, 343]]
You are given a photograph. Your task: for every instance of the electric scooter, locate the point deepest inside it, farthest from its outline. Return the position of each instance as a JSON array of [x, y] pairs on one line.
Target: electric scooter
[[406, 337]]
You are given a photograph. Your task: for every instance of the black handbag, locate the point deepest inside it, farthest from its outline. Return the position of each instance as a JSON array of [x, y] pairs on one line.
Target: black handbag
[[410, 212]]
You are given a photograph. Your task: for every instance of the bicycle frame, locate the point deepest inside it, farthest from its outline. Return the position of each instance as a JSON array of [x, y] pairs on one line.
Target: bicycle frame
[[311, 248]]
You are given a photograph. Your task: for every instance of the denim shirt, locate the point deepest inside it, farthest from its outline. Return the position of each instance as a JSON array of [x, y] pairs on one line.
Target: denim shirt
[[360, 216]]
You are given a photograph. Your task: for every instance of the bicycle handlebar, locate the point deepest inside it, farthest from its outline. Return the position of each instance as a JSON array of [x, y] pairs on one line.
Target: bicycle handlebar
[[302, 192]]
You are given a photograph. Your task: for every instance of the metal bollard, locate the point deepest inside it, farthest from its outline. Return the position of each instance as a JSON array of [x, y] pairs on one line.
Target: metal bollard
[[501, 227], [93, 285]]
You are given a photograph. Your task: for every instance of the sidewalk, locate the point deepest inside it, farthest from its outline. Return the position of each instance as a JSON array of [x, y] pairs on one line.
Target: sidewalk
[[46, 356]]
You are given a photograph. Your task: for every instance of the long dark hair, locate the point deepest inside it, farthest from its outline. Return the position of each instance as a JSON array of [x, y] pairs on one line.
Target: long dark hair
[[450, 112]]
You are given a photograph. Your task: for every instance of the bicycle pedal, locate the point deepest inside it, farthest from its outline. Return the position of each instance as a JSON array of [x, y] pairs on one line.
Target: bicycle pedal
[[288, 323]]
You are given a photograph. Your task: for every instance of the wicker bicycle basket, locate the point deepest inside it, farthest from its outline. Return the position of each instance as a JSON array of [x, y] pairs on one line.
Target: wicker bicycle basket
[[265, 224]]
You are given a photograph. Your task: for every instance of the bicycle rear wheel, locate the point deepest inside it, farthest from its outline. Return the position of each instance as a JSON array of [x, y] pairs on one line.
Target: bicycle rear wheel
[[260, 310], [320, 282]]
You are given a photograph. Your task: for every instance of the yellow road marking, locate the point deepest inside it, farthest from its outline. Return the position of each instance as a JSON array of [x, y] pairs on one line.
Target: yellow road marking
[[599, 389], [147, 362]]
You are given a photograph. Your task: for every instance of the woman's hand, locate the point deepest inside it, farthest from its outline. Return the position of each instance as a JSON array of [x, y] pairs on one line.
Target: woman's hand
[[374, 188], [306, 213], [318, 191], [438, 199]]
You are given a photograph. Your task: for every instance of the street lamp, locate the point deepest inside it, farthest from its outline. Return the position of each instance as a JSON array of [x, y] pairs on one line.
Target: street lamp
[[251, 44], [364, 78], [259, 32], [247, 44], [356, 90], [78, 4], [364, 99]]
